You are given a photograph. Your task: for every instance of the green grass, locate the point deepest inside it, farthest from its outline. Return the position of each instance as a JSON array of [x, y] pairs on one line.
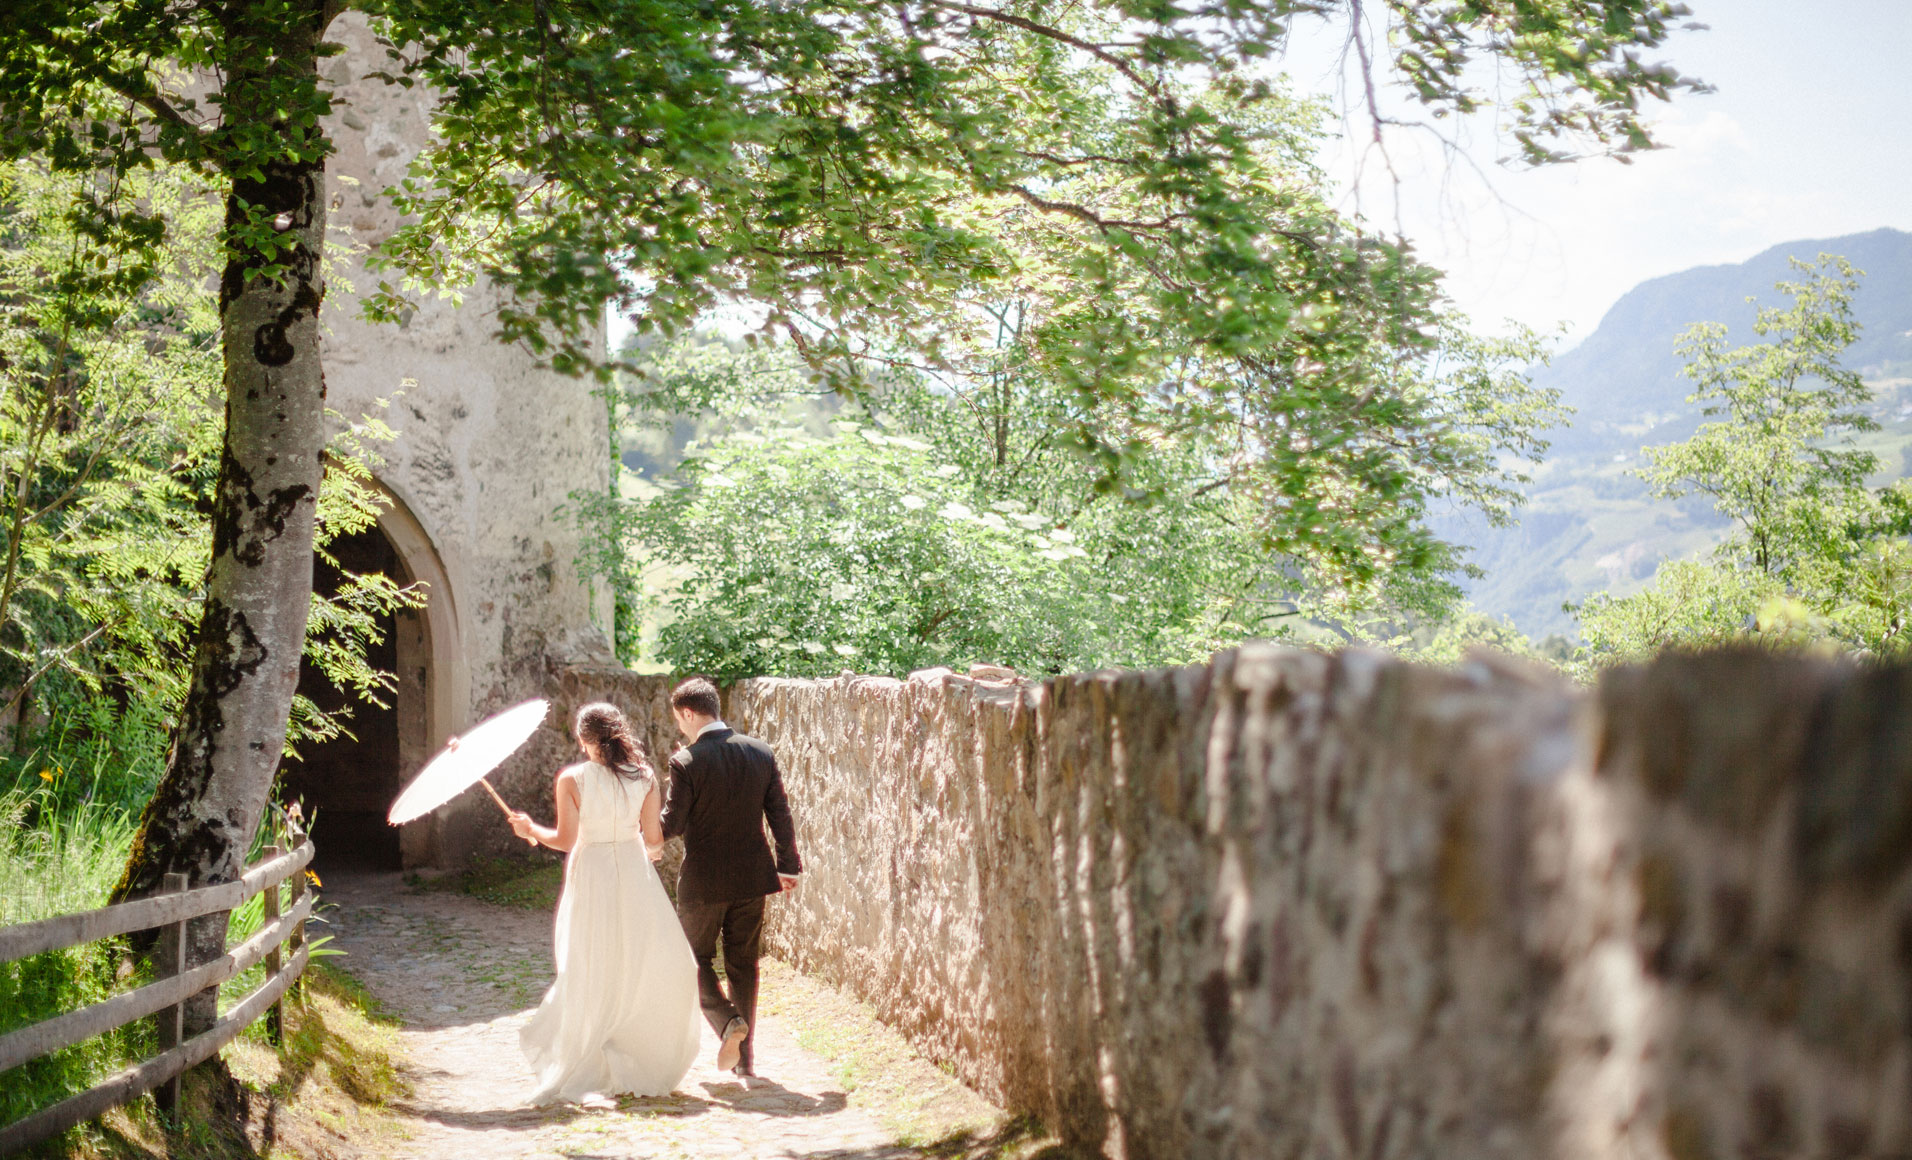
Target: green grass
[[59, 855], [328, 1091], [55, 863], [503, 882], [70, 793]]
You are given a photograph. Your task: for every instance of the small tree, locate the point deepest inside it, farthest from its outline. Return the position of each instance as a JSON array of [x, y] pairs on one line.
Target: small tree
[[1815, 553], [109, 446], [1778, 458]]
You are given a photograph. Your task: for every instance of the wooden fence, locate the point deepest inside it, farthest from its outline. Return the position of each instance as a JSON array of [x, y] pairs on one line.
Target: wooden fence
[[167, 912]]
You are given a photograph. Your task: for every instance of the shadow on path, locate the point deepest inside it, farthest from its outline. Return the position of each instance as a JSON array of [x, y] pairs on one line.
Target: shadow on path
[[766, 1097], [1017, 1140], [526, 1119]]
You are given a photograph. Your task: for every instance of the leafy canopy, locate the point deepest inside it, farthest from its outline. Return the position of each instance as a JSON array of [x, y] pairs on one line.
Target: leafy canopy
[[1124, 175], [1298, 459], [950, 519], [800, 536], [819, 156]]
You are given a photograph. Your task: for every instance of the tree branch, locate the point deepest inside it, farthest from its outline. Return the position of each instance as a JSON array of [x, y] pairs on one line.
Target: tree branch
[[140, 91], [1088, 215], [1023, 22], [34, 677]]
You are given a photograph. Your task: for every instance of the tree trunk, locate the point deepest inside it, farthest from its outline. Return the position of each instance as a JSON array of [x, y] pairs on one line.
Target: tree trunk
[[232, 727]]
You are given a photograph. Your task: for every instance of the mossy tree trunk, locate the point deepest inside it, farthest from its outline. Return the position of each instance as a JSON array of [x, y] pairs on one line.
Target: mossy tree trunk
[[232, 729]]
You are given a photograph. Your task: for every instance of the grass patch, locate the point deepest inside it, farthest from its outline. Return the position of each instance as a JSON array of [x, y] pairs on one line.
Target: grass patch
[[922, 1104], [57, 862], [335, 1079], [502, 882], [327, 1092]]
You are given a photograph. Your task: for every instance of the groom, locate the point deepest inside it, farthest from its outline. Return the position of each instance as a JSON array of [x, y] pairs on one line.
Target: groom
[[724, 787]]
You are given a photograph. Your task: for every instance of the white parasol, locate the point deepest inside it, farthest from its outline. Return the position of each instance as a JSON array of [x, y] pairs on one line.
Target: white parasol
[[466, 760]]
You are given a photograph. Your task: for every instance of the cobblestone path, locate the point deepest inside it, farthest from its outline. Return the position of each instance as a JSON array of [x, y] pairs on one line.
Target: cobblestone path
[[463, 974]]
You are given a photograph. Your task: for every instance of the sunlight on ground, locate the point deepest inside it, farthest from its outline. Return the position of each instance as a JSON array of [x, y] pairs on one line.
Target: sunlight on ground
[[502, 882], [328, 1092]]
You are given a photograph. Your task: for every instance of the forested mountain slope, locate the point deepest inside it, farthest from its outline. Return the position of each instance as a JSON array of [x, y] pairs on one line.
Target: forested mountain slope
[[1590, 524]]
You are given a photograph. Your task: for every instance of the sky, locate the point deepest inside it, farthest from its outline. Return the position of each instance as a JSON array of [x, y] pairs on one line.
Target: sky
[[1809, 135]]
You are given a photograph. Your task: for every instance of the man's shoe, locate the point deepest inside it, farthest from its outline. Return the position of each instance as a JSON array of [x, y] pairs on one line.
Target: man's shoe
[[732, 1050]]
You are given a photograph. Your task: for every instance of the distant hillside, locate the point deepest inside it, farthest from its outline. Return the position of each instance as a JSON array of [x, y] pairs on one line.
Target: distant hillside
[[1589, 524]]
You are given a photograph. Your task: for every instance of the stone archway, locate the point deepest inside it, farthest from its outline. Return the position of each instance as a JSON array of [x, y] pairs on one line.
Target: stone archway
[[347, 784], [434, 678]]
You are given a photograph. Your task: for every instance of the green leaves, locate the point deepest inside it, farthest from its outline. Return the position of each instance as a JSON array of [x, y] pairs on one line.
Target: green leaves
[[849, 168], [109, 443], [956, 519], [1815, 554], [790, 543], [1778, 459], [109, 367]]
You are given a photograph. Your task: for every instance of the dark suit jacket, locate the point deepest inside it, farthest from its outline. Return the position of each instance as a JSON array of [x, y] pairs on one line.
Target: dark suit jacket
[[724, 787]]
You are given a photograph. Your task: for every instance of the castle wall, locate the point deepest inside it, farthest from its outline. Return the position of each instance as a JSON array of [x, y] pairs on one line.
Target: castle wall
[[489, 446], [1288, 904]]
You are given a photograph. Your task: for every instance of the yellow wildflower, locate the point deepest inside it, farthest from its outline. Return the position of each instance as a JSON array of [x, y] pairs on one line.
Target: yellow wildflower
[[313, 878]]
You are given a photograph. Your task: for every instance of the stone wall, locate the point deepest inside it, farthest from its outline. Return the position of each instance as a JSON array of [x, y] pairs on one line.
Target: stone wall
[[1289, 905]]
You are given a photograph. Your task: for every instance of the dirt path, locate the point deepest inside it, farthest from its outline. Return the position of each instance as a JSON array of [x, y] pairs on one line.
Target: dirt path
[[463, 974]]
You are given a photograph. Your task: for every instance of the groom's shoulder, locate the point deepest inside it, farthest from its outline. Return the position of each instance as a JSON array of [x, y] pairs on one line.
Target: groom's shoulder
[[746, 741]]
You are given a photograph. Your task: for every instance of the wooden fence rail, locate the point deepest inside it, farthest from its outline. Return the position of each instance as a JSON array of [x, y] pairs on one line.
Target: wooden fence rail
[[166, 995]]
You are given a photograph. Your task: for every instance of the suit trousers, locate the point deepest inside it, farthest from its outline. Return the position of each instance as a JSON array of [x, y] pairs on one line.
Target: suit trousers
[[739, 926]]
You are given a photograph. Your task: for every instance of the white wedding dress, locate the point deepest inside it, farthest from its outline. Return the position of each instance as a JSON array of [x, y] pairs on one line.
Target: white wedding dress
[[622, 1015]]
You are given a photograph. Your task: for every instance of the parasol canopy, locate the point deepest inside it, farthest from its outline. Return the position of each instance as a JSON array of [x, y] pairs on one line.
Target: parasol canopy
[[467, 759]]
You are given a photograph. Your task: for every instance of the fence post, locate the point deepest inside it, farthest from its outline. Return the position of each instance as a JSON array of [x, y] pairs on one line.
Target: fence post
[[169, 959], [269, 914], [295, 837]]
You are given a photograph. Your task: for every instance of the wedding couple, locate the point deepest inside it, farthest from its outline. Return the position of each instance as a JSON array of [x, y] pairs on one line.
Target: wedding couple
[[622, 1014]]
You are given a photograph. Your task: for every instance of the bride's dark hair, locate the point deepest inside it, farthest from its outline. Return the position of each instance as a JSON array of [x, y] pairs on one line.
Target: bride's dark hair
[[609, 732]]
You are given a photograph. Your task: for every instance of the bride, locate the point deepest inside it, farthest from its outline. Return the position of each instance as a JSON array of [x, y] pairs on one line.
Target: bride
[[622, 1014]]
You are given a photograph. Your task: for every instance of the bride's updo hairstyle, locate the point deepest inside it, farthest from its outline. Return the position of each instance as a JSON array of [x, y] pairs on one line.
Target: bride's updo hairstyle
[[604, 726]]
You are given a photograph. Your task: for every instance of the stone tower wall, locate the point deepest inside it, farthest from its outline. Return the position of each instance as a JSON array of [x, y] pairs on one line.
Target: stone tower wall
[[489, 446]]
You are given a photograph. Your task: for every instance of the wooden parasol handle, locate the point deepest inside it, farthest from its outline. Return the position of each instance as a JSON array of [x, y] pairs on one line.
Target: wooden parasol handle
[[494, 797]]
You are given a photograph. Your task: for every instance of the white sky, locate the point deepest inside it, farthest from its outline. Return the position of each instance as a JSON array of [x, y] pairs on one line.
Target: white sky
[[1809, 135]]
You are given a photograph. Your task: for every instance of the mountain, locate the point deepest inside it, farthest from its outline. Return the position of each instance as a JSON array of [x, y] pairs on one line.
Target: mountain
[[1589, 524]]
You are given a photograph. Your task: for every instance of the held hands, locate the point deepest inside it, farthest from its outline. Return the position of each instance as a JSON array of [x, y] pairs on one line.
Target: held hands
[[789, 882]]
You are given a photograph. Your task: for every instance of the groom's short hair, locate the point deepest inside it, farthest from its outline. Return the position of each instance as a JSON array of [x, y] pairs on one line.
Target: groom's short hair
[[697, 695]]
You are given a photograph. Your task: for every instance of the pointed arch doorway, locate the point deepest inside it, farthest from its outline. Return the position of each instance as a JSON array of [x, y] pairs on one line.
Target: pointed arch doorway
[[347, 783]]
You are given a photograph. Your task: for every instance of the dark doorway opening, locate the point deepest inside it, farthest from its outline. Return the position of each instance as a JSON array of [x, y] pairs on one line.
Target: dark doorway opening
[[347, 784]]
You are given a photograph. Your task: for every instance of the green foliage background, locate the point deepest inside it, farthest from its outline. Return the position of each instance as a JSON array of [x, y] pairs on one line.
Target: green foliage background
[[1816, 555]]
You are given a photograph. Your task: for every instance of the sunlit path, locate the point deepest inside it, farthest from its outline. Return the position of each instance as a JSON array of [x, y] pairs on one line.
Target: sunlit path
[[462, 975]]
